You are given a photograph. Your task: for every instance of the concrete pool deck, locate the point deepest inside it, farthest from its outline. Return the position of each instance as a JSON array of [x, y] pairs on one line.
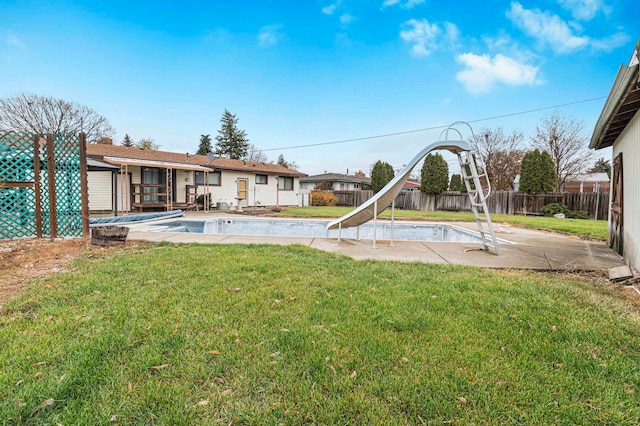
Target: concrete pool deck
[[527, 249]]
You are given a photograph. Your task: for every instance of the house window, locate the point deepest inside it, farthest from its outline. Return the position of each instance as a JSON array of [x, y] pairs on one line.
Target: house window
[[342, 186], [356, 186], [303, 185], [262, 179], [285, 183], [214, 178]]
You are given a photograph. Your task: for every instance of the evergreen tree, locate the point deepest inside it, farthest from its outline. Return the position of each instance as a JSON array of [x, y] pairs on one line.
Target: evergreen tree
[[381, 174], [435, 174], [537, 172], [232, 142], [127, 141], [601, 166], [457, 184], [288, 164], [205, 145]]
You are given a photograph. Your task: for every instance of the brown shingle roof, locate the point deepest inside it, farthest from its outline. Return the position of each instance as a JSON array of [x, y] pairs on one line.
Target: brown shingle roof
[[104, 150]]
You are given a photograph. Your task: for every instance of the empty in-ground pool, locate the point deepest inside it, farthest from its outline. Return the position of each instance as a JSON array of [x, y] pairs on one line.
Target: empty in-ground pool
[[317, 228]]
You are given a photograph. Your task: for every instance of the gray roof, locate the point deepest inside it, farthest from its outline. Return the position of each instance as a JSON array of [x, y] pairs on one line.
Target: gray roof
[[336, 177]]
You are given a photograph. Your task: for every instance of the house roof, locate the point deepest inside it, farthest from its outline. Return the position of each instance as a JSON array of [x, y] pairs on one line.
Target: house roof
[[411, 184], [590, 177], [336, 177], [185, 161], [622, 104]]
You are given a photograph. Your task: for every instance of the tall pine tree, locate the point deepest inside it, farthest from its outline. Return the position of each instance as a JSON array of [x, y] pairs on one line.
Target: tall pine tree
[[537, 172], [435, 174], [457, 184], [127, 141], [205, 145], [381, 174], [232, 142]]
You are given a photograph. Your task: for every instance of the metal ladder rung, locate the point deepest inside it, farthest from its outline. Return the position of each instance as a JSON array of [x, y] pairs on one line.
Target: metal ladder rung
[[477, 198]]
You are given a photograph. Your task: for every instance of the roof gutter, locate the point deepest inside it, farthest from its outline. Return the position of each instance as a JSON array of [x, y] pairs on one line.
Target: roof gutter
[[627, 76]]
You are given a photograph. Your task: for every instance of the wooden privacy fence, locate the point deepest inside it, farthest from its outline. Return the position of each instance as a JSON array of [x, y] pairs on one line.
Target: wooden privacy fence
[[43, 186], [498, 202]]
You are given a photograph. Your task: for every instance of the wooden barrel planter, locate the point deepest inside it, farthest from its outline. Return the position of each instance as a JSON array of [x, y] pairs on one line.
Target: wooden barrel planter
[[109, 235]]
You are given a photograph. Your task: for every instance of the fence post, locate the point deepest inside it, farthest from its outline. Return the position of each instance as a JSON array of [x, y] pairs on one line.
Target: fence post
[[53, 220], [36, 184], [84, 185]]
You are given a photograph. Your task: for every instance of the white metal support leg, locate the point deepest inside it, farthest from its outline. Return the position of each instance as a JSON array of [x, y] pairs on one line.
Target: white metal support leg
[[339, 232], [375, 223], [393, 211]]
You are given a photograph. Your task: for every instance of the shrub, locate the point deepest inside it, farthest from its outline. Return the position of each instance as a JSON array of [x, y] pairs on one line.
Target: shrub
[[578, 214], [200, 199], [323, 198], [555, 208]]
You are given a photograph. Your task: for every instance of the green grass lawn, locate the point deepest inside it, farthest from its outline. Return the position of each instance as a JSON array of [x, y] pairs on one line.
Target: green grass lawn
[[241, 334], [581, 227]]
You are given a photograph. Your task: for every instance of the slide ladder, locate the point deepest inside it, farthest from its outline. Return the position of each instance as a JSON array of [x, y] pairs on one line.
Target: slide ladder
[[477, 197]]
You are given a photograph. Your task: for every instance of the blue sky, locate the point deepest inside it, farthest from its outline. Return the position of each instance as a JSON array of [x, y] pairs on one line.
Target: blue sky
[[310, 72]]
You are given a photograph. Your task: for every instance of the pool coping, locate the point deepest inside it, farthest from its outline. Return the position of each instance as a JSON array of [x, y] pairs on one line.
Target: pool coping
[[527, 249]]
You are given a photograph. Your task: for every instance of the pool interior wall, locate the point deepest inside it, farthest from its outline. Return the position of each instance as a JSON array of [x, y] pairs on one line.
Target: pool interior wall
[[317, 228]]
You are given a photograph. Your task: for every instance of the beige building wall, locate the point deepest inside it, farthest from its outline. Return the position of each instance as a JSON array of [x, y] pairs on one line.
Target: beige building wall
[[100, 186], [629, 144]]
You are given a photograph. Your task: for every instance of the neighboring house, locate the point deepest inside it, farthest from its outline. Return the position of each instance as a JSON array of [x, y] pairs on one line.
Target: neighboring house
[[588, 182], [411, 186], [149, 179], [338, 182], [619, 127]]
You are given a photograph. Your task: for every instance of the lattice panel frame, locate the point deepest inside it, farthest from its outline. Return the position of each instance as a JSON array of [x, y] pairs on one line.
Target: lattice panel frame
[[66, 153], [17, 204], [59, 156]]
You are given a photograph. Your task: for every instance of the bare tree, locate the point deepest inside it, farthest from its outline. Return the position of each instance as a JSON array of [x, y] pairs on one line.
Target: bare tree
[[501, 155], [31, 113], [147, 143], [563, 139], [255, 154]]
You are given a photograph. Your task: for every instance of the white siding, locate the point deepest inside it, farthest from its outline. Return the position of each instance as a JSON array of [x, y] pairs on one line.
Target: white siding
[[629, 144], [257, 194], [100, 187], [183, 178]]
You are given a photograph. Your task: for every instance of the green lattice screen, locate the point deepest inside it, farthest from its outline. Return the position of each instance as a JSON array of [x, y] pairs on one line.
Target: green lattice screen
[[18, 204]]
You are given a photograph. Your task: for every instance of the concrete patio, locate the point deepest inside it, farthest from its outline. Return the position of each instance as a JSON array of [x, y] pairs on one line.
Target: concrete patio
[[524, 249]]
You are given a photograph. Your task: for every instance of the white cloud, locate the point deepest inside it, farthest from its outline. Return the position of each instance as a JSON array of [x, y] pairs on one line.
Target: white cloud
[[345, 18], [269, 35], [13, 41], [331, 9], [12, 47], [546, 28], [584, 10], [607, 44], [425, 37], [483, 73], [407, 4]]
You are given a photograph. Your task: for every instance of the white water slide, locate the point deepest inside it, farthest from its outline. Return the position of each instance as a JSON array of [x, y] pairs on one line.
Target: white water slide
[[387, 195]]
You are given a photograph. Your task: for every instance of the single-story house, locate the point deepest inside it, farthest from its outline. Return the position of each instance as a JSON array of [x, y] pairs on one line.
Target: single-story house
[[619, 127], [588, 182], [338, 182], [150, 179]]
